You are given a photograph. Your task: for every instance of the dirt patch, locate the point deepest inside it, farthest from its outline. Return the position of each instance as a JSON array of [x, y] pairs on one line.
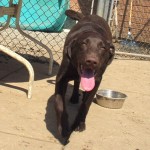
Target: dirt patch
[[31, 124]]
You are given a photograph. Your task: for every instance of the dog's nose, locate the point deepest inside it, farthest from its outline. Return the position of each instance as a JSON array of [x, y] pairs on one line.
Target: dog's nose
[[91, 61]]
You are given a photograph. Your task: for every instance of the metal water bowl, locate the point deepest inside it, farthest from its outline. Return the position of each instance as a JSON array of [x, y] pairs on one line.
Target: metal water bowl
[[110, 99]]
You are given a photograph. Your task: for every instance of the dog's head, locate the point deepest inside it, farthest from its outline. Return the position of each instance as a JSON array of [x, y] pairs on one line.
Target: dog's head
[[90, 54]]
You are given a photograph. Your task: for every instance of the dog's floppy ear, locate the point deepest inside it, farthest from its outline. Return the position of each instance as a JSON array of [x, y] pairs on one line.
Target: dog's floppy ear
[[112, 53], [68, 48], [74, 15]]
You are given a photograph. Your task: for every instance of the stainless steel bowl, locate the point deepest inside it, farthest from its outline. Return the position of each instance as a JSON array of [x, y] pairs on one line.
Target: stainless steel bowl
[[110, 99]]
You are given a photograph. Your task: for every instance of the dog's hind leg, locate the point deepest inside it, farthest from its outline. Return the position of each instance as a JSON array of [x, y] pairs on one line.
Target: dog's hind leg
[[75, 95]]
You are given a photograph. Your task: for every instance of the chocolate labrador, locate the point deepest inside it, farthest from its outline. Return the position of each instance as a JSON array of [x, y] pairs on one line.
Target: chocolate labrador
[[88, 50]]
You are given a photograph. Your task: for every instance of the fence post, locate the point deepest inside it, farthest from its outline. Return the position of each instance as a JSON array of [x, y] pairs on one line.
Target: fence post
[[103, 8], [100, 7]]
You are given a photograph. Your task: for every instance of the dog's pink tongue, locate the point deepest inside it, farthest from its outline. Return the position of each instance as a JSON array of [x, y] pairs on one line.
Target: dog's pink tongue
[[87, 81]]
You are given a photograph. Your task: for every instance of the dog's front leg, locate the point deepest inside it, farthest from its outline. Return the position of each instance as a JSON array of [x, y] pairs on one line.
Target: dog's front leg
[[62, 116], [75, 95], [79, 124]]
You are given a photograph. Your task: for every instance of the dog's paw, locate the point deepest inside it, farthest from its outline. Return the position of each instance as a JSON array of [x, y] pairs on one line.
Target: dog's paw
[[80, 127], [63, 137], [63, 132]]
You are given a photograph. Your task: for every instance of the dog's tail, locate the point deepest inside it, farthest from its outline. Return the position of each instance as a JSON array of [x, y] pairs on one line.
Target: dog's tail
[[74, 15]]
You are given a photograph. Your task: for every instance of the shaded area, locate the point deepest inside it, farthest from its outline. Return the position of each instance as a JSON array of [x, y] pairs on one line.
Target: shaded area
[[10, 68], [50, 116], [12, 71]]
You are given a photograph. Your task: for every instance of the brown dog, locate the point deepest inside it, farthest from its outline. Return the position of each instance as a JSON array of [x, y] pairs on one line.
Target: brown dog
[[87, 51]]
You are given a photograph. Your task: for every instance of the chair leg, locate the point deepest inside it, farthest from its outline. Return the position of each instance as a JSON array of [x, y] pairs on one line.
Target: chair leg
[[33, 39], [25, 63], [42, 45], [17, 16]]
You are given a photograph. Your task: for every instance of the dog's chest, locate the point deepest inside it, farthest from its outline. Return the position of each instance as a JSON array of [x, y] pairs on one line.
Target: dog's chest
[[72, 73]]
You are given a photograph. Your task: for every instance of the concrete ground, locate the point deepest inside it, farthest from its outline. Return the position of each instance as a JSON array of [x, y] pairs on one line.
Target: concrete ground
[[30, 124]]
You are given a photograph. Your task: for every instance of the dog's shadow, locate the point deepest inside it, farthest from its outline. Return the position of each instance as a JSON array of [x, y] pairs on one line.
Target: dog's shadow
[[50, 116]]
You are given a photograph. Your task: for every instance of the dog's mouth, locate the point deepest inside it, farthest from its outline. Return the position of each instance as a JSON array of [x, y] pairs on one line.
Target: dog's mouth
[[87, 78], [88, 70]]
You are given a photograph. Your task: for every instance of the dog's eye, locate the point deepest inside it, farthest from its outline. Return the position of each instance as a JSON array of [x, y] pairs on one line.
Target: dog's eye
[[84, 46], [103, 48], [83, 43]]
